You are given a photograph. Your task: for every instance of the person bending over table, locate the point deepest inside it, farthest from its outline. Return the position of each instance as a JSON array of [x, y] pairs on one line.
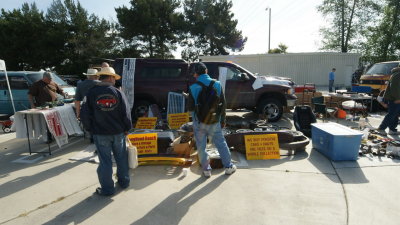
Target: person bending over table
[[44, 90]]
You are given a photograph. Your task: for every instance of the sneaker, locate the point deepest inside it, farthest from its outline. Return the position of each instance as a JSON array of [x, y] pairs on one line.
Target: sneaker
[[393, 132], [207, 173], [122, 185], [381, 132], [100, 192], [230, 170]]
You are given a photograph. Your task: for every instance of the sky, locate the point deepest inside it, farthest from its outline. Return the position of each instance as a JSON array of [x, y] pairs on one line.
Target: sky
[[294, 23]]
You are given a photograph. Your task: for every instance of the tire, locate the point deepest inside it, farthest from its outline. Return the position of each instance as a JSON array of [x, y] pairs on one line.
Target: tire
[[272, 107], [140, 109], [6, 129]]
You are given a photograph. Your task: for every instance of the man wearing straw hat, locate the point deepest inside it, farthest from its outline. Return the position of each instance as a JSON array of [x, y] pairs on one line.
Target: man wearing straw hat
[[106, 114], [83, 87]]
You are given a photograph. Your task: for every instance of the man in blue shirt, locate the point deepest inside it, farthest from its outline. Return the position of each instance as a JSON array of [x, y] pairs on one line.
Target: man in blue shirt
[[331, 79], [214, 130], [83, 87]]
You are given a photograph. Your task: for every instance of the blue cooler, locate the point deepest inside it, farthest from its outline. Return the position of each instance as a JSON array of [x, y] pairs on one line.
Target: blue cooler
[[335, 141]]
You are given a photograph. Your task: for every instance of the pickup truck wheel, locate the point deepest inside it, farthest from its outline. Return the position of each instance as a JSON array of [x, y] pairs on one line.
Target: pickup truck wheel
[[140, 109], [272, 108]]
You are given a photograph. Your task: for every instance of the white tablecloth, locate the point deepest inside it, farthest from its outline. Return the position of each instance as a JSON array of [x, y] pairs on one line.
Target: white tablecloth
[[60, 120]]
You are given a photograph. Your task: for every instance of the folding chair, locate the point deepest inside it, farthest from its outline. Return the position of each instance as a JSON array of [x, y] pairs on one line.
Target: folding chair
[[319, 106]]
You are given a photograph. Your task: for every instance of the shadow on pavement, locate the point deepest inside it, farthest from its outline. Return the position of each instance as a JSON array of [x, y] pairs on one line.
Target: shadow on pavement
[[11, 154], [321, 162], [23, 182], [149, 176], [81, 211], [172, 209]]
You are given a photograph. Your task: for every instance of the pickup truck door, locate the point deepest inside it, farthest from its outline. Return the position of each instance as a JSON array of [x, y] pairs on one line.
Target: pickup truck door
[[238, 92], [159, 79]]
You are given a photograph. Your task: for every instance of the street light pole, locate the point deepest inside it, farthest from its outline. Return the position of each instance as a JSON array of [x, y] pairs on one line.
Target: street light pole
[[269, 30]]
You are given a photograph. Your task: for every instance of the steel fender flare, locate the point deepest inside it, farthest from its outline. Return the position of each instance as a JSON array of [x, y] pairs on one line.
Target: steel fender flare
[[297, 145]]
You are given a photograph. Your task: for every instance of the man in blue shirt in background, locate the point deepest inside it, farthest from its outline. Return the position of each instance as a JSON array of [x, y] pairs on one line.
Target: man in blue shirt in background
[[331, 79], [83, 87], [202, 130]]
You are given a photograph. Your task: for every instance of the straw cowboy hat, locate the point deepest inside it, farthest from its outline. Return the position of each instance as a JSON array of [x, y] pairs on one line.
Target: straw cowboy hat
[[90, 72], [108, 71]]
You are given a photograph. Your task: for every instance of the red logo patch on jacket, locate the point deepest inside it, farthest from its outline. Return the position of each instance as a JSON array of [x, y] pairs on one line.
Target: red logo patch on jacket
[[107, 102]]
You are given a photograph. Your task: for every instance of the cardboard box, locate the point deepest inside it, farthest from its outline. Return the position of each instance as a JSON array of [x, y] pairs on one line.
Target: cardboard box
[[183, 149], [335, 141], [334, 101], [305, 99]]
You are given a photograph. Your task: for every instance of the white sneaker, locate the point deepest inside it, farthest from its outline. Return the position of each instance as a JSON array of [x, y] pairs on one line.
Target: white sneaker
[[393, 132], [230, 170], [207, 173]]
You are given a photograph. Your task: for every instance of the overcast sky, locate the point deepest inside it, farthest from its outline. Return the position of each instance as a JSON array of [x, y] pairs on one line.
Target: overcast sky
[[294, 23]]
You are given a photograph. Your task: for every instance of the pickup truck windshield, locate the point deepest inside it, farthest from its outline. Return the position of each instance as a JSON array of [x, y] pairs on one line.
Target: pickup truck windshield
[[33, 77], [246, 71], [382, 68]]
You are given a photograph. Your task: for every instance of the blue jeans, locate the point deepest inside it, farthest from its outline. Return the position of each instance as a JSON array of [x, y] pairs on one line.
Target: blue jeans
[[201, 132], [392, 117], [117, 144], [331, 85]]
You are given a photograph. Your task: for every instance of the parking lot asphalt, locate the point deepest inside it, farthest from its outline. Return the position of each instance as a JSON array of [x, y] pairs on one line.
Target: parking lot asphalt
[[305, 188]]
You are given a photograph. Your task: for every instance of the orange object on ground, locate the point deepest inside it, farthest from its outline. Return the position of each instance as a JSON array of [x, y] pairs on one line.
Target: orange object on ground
[[341, 114]]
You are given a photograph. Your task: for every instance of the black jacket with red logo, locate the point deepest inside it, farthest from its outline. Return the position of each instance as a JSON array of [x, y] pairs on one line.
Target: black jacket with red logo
[[106, 111]]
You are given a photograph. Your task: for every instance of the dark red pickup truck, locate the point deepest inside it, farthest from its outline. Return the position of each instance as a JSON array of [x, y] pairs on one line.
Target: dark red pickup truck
[[154, 78]]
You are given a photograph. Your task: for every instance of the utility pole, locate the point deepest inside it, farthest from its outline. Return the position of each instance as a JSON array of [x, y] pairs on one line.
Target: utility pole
[[269, 28]]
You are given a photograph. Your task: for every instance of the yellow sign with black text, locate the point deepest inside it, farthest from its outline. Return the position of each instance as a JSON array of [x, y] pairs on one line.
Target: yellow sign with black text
[[262, 146], [176, 120], [146, 123], [145, 143]]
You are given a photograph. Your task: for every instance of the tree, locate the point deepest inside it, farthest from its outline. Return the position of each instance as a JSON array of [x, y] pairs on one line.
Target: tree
[[211, 29], [123, 48], [348, 18], [66, 39], [383, 40], [280, 50], [21, 37], [153, 26], [83, 37]]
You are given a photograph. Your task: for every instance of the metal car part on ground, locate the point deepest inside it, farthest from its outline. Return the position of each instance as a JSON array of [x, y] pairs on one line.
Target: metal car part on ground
[[288, 140]]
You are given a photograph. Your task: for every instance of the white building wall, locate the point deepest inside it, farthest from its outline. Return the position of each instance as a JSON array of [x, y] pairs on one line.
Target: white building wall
[[301, 67]]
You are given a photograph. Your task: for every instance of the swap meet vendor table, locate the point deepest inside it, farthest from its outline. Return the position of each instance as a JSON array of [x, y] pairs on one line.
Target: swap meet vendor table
[[60, 121], [355, 97]]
